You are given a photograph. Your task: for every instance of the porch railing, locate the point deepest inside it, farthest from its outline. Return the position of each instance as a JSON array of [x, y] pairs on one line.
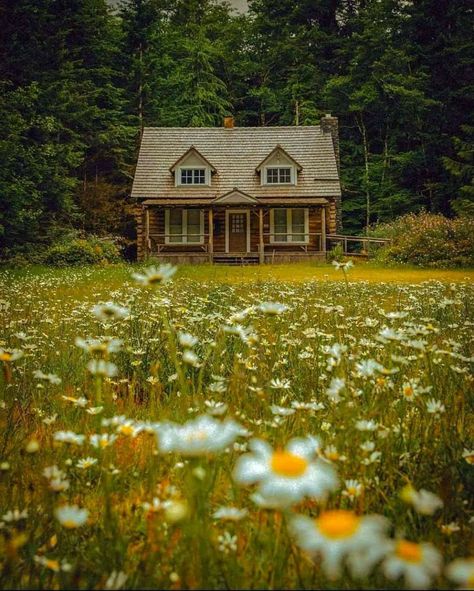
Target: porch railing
[[362, 246], [161, 241]]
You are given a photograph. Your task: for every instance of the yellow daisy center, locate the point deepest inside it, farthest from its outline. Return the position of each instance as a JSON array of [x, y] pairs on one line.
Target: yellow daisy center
[[288, 464], [408, 391], [126, 429], [69, 524], [408, 551], [338, 524], [155, 278], [5, 356], [52, 564]]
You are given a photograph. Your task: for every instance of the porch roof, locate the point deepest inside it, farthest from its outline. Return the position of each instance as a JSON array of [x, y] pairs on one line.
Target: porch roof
[[277, 202]]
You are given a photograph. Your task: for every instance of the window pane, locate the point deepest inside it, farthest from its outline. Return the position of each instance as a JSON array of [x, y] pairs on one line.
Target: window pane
[[175, 225], [272, 175], [285, 175], [186, 177], [280, 225], [199, 176], [194, 225], [297, 225]]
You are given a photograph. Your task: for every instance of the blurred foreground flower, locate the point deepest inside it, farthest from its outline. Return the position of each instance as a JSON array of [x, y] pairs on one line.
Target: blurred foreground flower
[[461, 571], [200, 436], [155, 275], [286, 476], [417, 563], [423, 501], [339, 535], [71, 516]]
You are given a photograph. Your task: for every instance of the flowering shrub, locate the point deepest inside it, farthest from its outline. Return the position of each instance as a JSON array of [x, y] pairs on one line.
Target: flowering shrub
[[82, 251], [429, 240]]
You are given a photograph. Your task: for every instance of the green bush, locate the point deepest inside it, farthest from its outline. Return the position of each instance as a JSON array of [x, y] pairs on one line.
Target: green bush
[[82, 251], [428, 240]]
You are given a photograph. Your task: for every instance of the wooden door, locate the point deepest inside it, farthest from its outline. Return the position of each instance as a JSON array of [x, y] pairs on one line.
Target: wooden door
[[237, 229]]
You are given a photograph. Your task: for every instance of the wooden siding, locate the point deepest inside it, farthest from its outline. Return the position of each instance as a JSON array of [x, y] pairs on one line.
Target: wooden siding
[[156, 216]]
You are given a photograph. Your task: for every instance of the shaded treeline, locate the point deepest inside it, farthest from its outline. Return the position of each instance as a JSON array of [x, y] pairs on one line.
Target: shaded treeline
[[79, 81]]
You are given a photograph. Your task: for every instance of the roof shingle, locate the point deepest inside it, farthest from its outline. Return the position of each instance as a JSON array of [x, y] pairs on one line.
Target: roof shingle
[[236, 153]]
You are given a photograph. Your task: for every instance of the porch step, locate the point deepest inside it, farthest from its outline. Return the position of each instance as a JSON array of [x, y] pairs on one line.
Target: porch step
[[236, 260]]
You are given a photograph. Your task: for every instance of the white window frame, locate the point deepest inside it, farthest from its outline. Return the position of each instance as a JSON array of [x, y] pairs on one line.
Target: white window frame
[[184, 224], [289, 226], [293, 175], [207, 176]]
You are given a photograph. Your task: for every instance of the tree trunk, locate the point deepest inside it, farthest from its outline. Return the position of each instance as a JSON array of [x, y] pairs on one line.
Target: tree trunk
[[363, 131]]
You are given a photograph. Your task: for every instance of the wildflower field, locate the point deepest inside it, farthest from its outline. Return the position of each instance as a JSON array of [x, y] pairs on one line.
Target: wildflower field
[[165, 430]]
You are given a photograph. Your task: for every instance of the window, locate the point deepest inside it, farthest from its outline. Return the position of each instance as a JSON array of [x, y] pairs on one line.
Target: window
[[289, 225], [279, 175], [192, 176], [184, 226]]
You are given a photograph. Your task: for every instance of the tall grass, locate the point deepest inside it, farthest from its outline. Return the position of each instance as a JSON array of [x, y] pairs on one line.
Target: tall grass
[[377, 372]]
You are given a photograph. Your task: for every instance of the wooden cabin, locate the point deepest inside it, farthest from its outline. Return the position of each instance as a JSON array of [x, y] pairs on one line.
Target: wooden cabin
[[247, 194]]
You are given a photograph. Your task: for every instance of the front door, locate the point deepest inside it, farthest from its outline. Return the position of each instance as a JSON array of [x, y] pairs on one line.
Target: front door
[[237, 229]]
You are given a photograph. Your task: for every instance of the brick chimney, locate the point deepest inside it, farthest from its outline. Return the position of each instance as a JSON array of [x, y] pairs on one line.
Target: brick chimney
[[229, 122], [329, 124]]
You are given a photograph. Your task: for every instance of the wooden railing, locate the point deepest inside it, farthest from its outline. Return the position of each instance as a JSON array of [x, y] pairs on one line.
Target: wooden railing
[[275, 240], [362, 246], [161, 241]]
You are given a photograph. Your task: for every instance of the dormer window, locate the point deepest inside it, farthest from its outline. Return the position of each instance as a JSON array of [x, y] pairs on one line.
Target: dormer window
[[193, 176], [279, 175], [278, 168], [192, 169]]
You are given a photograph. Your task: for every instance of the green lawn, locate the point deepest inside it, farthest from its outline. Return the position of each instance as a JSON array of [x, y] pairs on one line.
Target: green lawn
[[296, 272]]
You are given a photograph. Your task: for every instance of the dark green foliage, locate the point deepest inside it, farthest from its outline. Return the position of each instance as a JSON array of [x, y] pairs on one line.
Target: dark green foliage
[[79, 81]]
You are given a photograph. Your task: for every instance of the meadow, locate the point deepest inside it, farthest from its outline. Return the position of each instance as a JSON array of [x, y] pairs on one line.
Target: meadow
[[273, 427]]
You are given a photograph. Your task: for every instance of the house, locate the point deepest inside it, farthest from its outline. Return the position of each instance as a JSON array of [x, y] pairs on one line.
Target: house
[[255, 194]]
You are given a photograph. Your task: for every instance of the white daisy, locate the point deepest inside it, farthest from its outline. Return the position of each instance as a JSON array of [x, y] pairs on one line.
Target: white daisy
[[155, 275], [419, 564], [199, 436], [338, 535], [286, 476], [71, 516], [230, 513], [461, 571]]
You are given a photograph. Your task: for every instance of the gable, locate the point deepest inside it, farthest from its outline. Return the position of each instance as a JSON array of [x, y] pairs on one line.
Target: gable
[[192, 157], [236, 197], [279, 157]]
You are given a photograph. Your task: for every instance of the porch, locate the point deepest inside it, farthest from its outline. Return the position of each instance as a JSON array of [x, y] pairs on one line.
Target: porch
[[238, 235]]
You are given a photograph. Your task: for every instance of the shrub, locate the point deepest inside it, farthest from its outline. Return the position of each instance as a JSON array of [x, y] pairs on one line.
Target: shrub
[[336, 253], [428, 240], [82, 251]]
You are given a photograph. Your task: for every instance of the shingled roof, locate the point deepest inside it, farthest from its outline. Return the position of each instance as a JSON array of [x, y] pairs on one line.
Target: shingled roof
[[235, 153]]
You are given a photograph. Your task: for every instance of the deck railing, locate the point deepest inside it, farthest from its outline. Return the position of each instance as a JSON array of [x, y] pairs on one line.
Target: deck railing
[[363, 246]]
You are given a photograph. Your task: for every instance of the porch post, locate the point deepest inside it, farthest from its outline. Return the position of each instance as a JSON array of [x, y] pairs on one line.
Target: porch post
[[323, 228], [211, 235], [260, 234], [147, 233]]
